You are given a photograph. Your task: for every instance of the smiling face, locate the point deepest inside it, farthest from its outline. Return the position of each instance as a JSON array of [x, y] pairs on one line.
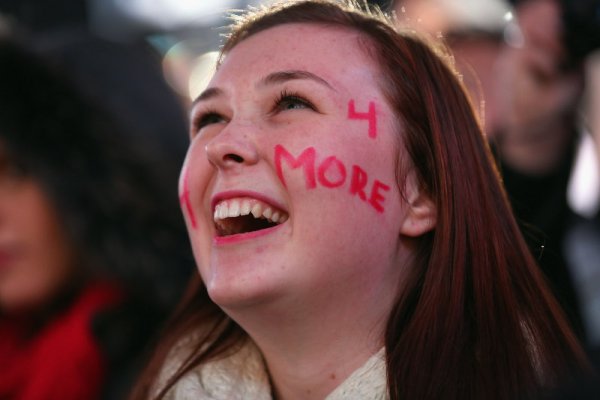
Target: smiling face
[[289, 188]]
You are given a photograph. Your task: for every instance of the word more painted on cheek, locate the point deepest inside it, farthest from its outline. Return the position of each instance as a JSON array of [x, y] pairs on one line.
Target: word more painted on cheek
[[328, 167]]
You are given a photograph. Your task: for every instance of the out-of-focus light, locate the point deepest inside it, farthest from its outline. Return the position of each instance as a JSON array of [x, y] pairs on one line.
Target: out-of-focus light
[[202, 71], [508, 16], [261, 2], [188, 73], [513, 36], [453, 15], [122, 19], [584, 187], [172, 14], [177, 65]]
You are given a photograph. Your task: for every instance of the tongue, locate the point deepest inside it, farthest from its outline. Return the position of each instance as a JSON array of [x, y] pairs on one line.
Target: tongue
[[244, 224]]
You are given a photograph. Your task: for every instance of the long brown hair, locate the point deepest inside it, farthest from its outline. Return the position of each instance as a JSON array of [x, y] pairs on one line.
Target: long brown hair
[[475, 319]]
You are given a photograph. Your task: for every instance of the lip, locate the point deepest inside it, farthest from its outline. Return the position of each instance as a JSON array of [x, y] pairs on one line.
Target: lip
[[240, 237]]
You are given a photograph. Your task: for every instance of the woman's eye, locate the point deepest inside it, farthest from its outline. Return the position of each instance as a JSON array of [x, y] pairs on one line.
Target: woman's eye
[[292, 102], [208, 119]]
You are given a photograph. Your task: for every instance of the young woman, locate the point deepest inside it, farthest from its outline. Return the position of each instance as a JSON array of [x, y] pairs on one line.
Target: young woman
[[351, 234]]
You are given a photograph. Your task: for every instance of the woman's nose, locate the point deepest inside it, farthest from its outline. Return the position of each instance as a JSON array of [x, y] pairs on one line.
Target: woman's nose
[[231, 149]]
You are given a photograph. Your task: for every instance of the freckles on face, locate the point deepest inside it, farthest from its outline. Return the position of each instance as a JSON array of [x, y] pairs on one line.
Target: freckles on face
[[298, 129]]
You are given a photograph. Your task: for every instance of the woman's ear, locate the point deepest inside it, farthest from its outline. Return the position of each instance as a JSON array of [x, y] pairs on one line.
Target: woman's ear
[[421, 215]]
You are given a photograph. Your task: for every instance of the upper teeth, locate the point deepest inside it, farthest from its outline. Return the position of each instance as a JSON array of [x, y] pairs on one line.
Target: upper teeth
[[231, 208]]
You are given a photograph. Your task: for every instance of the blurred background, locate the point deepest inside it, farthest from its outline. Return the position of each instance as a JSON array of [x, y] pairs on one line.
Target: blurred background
[[532, 68], [185, 35]]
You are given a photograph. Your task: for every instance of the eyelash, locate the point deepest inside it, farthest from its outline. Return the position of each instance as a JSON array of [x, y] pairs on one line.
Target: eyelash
[[286, 98], [206, 118]]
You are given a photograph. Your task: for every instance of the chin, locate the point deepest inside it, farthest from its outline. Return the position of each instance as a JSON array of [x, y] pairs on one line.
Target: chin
[[231, 295]]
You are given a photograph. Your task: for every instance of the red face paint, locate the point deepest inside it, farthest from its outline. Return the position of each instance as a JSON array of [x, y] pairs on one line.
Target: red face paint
[[328, 163], [358, 182], [376, 196], [306, 159], [327, 177], [184, 198], [370, 116]]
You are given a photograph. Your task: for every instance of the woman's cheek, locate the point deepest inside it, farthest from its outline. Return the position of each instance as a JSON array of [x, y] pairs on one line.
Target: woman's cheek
[[313, 169], [192, 183]]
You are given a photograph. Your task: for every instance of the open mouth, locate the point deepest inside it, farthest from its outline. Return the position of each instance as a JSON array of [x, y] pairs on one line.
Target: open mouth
[[244, 215]]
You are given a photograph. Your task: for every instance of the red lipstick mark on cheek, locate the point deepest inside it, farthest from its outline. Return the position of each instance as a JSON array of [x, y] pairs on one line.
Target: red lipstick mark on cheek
[[370, 116], [184, 198]]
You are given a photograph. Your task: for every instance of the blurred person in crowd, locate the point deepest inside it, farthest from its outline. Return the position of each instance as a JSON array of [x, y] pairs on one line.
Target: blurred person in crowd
[[92, 249], [539, 92], [351, 234], [526, 80]]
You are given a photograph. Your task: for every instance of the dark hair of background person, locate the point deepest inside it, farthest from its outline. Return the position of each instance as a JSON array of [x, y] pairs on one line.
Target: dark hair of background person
[[111, 176], [475, 320]]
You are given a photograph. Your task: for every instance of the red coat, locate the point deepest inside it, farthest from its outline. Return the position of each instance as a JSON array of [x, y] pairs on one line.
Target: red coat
[[62, 361]]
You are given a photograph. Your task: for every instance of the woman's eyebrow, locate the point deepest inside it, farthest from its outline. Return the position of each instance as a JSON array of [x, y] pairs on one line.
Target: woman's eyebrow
[[271, 79], [284, 76], [207, 94]]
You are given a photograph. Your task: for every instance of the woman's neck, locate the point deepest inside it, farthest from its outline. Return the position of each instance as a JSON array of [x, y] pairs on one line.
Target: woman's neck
[[312, 351]]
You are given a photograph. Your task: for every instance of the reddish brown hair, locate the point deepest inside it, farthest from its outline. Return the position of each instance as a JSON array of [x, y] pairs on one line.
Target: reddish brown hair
[[475, 319]]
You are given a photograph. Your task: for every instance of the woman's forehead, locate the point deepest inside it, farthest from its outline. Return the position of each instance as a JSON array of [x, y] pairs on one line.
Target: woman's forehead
[[336, 53]]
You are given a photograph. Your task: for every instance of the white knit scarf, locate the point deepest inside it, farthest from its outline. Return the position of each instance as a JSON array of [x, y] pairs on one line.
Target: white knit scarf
[[243, 376]]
